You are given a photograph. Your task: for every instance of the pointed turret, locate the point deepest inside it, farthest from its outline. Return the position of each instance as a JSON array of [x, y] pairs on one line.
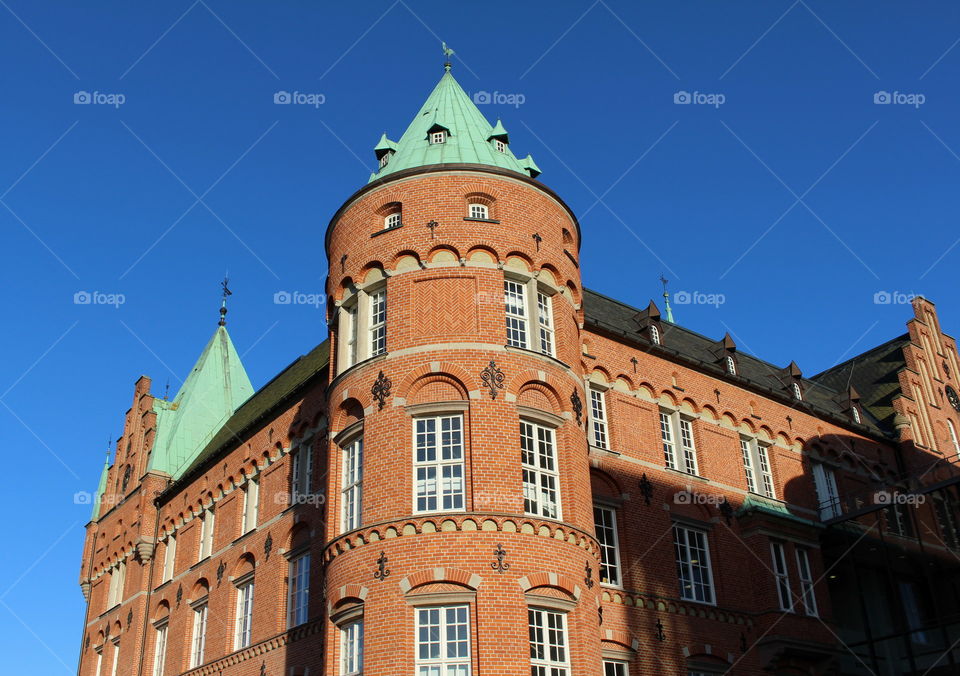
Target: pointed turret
[[215, 388], [101, 488], [450, 129]]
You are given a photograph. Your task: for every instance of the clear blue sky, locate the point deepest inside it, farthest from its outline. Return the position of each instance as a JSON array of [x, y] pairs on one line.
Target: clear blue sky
[[100, 197]]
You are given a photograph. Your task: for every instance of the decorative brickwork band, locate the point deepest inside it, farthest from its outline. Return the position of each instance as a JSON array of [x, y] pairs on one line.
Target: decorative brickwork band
[[381, 390], [492, 378]]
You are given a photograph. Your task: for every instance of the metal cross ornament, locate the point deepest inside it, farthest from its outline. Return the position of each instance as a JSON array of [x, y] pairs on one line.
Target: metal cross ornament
[[492, 378], [432, 225], [382, 571], [501, 554], [381, 390], [537, 238]]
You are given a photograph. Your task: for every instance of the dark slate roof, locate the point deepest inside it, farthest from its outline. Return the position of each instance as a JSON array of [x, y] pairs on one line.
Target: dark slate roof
[[874, 375], [683, 345], [268, 398]]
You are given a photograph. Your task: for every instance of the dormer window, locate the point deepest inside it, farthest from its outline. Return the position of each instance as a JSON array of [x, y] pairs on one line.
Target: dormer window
[[500, 146], [654, 334], [477, 210], [438, 137], [797, 394], [731, 366], [384, 159], [391, 220], [855, 412]]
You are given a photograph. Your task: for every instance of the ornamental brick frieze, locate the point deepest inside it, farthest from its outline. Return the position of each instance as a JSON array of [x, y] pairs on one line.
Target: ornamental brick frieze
[[652, 603]]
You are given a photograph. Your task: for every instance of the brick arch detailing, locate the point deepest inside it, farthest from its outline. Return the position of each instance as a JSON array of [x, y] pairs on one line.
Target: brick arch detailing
[[657, 605], [545, 382], [705, 650], [621, 639], [604, 484], [521, 525], [487, 189], [415, 379], [258, 650], [429, 576], [540, 583], [436, 387], [346, 594]]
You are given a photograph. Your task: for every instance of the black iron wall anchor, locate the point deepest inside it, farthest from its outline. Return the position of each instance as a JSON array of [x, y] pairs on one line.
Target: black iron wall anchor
[[179, 595], [382, 571], [577, 406], [267, 547], [492, 378], [726, 510], [381, 390], [646, 489], [588, 578], [221, 569], [537, 238], [432, 225], [661, 636], [501, 554]]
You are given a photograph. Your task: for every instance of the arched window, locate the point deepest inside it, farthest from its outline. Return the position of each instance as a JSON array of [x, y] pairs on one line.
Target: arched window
[[855, 412], [953, 436], [654, 334], [392, 220], [731, 366], [797, 394]]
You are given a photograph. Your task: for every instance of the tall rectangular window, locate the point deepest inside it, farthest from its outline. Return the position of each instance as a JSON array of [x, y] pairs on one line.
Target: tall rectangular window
[[598, 417], [443, 641], [693, 564], [298, 593], [301, 472], [378, 323], [206, 534], [199, 634], [514, 298], [605, 523], [945, 511], [782, 575], [169, 558], [438, 463], [116, 658], [352, 328], [352, 491], [545, 322], [159, 650], [679, 450], [756, 467], [825, 484], [806, 582], [549, 655], [244, 622], [615, 668], [251, 504], [541, 493], [351, 648], [99, 661], [117, 580]]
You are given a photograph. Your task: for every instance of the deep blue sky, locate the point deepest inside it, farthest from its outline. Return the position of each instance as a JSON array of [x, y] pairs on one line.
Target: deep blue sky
[[688, 191]]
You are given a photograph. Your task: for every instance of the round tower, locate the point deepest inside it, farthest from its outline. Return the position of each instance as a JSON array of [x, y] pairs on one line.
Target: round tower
[[460, 523]]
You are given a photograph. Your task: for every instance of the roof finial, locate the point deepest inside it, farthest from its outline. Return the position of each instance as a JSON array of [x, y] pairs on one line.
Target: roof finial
[[223, 302], [447, 53], [666, 298]]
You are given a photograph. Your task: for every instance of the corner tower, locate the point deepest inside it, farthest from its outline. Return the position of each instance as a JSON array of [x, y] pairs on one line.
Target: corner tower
[[460, 521]]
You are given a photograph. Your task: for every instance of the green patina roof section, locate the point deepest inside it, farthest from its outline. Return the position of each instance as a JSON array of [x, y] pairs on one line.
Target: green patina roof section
[[468, 141], [215, 388], [773, 507], [101, 489]]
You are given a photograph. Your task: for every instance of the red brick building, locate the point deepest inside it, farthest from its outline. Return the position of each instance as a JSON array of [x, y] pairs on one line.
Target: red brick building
[[487, 469]]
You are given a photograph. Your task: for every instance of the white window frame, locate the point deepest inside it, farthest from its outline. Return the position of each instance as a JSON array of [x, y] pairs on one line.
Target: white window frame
[[449, 618], [118, 578], [807, 591], [100, 660], [351, 491], [169, 558], [616, 668], [393, 220], [478, 210], [692, 555], [351, 648], [953, 436], [528, 304], [449, 492], [797, 392], [541, 471], [198, 640], [438, 137], [605, 525], [207, 524], [384, 159], [757, 467], [778, 554], [116, 657], [678, 441], [362, 325], [654, 334], [731, 365], [243, 626], [298, 590], [301, 471], [598, 417], [159, 648], [499, 145], [549, 642], [251, 504], [377, 325], [825, 487]]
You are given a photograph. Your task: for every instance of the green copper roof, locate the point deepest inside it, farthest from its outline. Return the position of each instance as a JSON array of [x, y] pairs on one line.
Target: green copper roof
[[101, 489], [215, 388], [469, 138]]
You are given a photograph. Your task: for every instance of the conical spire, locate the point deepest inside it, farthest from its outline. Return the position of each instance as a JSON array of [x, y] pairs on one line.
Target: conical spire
[[215, 388], [101, 487], [469, 138]]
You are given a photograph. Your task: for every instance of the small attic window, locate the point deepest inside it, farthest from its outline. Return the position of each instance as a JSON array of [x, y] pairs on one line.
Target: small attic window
[[797, 394], [384, 159], [438, 137], [731, 366], [855, 412], [654, 334], [478, 210], [499, 145], [391, 220]]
